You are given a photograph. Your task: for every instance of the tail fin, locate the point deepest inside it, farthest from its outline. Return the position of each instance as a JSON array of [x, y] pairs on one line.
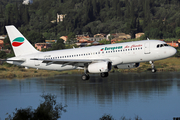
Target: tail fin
[[20, 44]]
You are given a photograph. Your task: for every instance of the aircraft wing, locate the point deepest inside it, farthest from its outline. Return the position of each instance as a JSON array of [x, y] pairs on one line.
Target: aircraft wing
[[64, 62]]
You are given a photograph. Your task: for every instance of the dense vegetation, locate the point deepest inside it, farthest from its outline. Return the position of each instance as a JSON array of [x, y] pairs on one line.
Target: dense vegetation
[[47, 110], [157, 18]]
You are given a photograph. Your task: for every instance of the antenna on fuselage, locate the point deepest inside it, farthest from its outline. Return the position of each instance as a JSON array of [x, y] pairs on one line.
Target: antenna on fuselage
[[147, 38]]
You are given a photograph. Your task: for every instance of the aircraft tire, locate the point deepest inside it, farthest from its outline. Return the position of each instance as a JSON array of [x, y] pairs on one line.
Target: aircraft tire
[[153, 70], [105, 74], [85, 77]]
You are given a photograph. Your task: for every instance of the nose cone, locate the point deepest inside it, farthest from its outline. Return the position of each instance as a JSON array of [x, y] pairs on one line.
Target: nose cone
[[172, 51]]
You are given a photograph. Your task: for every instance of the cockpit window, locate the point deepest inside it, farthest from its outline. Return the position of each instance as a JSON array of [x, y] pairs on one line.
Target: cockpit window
[[162, 45]]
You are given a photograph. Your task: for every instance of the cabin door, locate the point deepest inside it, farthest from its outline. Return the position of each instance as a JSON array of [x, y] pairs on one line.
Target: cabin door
[[147, 48]]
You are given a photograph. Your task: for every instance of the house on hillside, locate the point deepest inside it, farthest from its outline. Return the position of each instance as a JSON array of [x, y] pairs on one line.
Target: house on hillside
[[27, 2], [114, 40], [2, 37], [138, 35], [60, 18], [100, 35], [65, 38], [84, 43], [97, 38], [121, 36], [87, 43], [51, 41], [82, 38], [40, 46], [173, 43]]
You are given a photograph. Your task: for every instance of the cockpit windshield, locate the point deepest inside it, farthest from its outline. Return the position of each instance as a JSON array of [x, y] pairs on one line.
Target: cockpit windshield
[[162, 45]]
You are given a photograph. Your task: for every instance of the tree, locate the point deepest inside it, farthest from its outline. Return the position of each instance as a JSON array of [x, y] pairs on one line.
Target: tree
[[177, 32], [59, 45], [47, 110], [2, 54], [106, 117], [71, 38], [104, 41], [33, 36]]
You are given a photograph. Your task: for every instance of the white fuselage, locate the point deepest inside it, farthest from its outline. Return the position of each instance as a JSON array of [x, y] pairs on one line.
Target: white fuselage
[[120, 53]]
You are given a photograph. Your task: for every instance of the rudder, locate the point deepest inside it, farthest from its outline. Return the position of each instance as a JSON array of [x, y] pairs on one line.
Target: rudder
[[20, 44]]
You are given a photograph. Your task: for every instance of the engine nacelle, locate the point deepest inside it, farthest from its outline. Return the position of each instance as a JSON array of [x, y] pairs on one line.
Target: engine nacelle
[[127, 66], [99, 67]]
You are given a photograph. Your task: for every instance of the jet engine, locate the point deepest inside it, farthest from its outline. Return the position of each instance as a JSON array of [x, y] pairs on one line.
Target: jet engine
[[99, 67], [127, 66]]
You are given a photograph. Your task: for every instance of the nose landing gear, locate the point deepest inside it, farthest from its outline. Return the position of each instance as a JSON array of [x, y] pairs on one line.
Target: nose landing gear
[[153, 70]]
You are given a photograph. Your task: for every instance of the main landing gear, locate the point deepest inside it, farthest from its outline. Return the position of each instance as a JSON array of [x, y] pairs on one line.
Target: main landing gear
[[86, 76], [153, 67], [105, 74]]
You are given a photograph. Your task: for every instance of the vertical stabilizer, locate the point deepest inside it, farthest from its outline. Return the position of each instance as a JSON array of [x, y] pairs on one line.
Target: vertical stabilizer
[[20, 44]]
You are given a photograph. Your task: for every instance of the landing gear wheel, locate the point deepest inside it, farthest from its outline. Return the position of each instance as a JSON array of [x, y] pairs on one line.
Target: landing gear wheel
[[153, 67], [85, 77], [153, 70], [104, 74]]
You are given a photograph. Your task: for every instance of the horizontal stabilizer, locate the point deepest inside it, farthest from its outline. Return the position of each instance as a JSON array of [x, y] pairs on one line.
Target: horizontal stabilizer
[[12, 60]]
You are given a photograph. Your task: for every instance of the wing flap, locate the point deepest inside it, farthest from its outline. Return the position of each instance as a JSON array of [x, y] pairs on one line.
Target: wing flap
[[64, 62]]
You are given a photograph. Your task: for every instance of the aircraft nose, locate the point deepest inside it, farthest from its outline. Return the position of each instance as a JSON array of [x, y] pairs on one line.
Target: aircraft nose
[[172, 51]]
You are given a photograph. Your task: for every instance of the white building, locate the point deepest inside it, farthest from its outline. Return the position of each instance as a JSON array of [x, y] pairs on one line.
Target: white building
[[27, 2]]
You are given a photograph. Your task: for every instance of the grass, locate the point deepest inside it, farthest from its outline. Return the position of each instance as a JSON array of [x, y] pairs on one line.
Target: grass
[[169, 64], [7, 71], [12, 71]]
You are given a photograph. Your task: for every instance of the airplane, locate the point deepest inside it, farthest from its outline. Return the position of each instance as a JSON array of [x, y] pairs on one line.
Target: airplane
[[95, 59]]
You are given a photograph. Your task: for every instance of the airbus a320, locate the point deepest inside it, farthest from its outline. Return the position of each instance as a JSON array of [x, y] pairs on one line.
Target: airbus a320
[[95, 59]]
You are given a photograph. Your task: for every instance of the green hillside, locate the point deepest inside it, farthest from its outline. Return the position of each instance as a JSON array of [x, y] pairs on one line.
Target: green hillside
[[157, 18]]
